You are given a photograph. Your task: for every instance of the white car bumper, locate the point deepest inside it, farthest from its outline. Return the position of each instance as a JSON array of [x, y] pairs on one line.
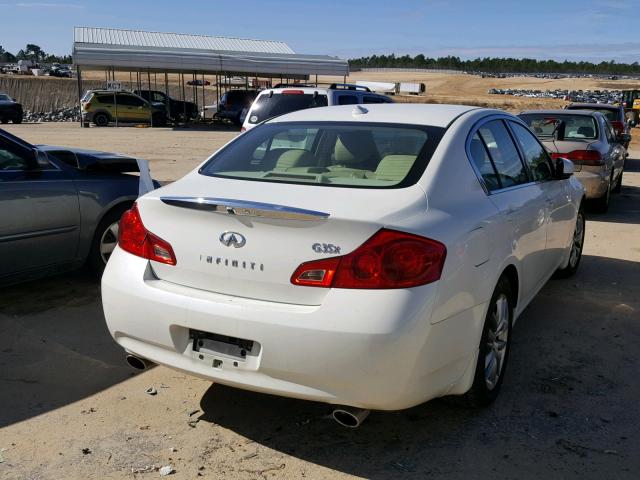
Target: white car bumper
[[367, 348]]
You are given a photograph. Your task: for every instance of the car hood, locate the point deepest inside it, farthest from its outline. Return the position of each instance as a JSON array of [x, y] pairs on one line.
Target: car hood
[[95, 160]]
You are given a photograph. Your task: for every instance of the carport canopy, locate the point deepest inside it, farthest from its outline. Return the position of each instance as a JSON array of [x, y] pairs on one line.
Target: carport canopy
[[172, 52]]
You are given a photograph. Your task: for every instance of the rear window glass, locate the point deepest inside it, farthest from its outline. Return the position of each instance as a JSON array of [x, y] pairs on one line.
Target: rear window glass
[[267, 107], [610, 114], [561, 127], [4, 98], [329, 154]]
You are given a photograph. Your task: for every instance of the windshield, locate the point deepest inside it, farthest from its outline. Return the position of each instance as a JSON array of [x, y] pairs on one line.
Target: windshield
[[267, 107], [4, 98], [339, 154], [561, 126]]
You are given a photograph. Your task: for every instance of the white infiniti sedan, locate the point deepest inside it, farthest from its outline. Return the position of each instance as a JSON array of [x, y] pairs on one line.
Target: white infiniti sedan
[[371, 257]]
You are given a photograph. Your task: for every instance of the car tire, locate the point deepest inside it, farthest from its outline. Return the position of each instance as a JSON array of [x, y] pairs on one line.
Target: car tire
[[17, 119], [105, 239], [493, 352], [618, 186], [101, 120], [4, 120], [577, 244], [601, 205], [159, 120]]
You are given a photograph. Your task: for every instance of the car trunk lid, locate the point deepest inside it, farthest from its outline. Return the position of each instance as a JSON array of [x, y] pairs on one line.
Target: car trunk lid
[[246, 238]]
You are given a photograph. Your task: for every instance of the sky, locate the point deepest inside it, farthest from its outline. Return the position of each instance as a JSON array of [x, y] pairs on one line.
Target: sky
[[590, 30]]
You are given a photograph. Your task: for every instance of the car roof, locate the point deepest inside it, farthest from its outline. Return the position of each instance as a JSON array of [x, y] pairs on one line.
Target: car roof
[[436, 115], [307, 90], [593, 106]]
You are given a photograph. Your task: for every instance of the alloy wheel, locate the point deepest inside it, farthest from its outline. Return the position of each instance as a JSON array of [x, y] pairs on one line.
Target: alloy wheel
[[108, 241], [578, 241], [497, 338]]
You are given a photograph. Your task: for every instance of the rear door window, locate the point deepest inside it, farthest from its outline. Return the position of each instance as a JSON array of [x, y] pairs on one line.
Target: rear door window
[[534, 154], [130, 101], [267, 107], [503, 153], [374, 99], [347, 99]]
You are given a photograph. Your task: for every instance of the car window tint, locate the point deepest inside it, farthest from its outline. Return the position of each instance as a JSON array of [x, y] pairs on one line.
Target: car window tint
[[11, 161], [105, 98], [347, 99], [504, 154], [482, 161], [535, 155], [373, 99]]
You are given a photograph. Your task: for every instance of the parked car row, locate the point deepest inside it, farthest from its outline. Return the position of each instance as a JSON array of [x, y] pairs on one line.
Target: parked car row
[[103, 107], [440, 222]]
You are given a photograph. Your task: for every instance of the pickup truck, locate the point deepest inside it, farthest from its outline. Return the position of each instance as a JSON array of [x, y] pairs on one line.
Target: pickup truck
[[175, 108]]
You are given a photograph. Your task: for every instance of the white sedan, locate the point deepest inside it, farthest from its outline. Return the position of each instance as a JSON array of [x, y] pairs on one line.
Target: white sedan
[[370, 257]]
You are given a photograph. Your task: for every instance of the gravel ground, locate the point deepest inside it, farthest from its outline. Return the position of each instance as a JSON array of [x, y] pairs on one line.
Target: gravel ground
[[71, 409]]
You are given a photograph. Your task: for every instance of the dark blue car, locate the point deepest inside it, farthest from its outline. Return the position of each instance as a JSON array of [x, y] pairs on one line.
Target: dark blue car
[[60, 207]]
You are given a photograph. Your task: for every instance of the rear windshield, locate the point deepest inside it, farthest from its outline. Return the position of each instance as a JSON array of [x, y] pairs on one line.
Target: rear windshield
[[4, 98], [334, 154], [561, 127], [267, 107], [611, 114]]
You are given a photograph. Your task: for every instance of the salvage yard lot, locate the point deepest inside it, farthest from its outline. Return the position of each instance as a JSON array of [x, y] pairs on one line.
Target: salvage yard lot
[[568, 408]]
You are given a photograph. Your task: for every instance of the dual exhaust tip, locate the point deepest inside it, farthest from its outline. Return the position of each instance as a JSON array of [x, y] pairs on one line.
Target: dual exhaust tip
[[349, 417]]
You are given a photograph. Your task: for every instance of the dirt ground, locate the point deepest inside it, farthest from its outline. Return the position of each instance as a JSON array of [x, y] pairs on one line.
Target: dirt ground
[[70, 408]]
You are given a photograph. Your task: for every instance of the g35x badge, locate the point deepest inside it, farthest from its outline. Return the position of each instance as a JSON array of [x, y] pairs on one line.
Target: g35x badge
[[325, 248]]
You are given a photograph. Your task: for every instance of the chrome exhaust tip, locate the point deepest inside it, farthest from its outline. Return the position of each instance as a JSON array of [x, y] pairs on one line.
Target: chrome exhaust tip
[[350, 417], [137, 362]]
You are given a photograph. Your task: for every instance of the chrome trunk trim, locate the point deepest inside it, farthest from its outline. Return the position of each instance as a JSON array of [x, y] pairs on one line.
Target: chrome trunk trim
[[245, 208]]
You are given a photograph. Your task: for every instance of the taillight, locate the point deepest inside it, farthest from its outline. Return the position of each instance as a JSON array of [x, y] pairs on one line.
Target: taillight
[[87, 106], [134, 238], [389, 259], [292, 92], [583, 157]]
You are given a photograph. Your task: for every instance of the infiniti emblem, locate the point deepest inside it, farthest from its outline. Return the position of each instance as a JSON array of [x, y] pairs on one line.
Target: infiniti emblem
[[233, 239]]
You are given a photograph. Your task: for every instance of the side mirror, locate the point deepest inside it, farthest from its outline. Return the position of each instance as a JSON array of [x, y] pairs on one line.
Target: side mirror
[[564, 168], [41, 159]]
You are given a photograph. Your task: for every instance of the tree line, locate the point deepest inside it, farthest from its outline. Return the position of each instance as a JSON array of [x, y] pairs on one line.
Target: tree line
[[493, 64], [32, 52]]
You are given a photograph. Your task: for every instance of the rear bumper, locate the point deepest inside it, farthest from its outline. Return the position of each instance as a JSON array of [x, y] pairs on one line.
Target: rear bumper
[[595, 184], [371, 349]]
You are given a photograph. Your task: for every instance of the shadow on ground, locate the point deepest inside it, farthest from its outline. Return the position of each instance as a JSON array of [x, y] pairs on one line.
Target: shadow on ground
[[54, 346], [562, 404]]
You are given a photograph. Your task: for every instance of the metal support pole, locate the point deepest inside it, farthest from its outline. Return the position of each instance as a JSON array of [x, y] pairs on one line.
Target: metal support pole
[[316, 80], [79, 78], [149, 92], [130, 80], [184, 95], [203, 96], [166, 92], [195, 89]]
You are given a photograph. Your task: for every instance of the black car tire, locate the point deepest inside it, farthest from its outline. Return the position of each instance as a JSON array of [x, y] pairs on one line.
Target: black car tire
[[159, 120], [17, 119], [4, 120], [95, 259], [101, 120], [480, 394]]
